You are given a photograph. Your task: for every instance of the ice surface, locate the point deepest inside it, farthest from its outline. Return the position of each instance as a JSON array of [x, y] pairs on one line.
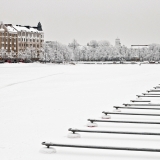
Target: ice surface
[[106, 116], [74, 135], [39, 102], [49, 150]]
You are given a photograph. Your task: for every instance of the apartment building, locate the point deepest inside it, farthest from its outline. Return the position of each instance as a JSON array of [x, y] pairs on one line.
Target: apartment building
[[18, 38]]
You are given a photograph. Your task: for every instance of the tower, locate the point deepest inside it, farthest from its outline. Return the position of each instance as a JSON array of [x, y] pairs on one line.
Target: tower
[[117, 42], [39, 27]]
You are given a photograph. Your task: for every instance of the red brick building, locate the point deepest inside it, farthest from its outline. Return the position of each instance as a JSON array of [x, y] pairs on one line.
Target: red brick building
[[18, 38]]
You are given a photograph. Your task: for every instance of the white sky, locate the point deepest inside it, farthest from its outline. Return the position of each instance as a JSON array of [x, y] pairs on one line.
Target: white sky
[[133, 21]]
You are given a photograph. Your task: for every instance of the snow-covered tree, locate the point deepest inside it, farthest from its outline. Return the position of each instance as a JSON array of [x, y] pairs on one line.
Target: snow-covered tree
[[2, 53], [93, 44], [103, 43]]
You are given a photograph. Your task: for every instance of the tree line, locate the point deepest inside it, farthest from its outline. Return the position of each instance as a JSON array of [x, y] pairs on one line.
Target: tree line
[[53, 51], [100, 51]]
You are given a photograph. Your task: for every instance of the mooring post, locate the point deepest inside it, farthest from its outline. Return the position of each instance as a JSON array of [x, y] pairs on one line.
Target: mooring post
[[136, 108], [148, 104], [138, 114], [115, 121], [114, 132], [102, 147]]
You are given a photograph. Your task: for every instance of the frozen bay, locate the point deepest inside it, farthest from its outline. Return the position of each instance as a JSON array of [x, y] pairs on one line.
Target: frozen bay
[[39, 102]]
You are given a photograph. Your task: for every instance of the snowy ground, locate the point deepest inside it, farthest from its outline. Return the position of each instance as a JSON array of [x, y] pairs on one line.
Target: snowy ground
[[39, 102]]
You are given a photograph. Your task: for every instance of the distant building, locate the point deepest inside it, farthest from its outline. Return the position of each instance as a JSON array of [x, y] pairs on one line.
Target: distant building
[[117, 42], [18, 38], [139, 46]]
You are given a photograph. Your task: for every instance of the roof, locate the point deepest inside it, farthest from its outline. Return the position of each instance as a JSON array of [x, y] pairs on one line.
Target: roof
[[11, 29], [22, 28], [33, 30]]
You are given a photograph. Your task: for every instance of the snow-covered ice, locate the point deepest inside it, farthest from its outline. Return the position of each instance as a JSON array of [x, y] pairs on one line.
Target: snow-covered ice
[[39, 102]]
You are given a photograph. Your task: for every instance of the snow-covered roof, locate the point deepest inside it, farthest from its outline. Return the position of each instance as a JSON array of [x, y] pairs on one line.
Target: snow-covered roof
[[11, 29], [33, 30], [22, 28]]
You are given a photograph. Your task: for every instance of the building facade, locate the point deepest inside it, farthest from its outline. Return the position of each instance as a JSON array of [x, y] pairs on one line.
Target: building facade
[[19, 38]]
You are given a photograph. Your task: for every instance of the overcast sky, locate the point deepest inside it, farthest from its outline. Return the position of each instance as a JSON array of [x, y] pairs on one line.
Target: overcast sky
[[133, 21]]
